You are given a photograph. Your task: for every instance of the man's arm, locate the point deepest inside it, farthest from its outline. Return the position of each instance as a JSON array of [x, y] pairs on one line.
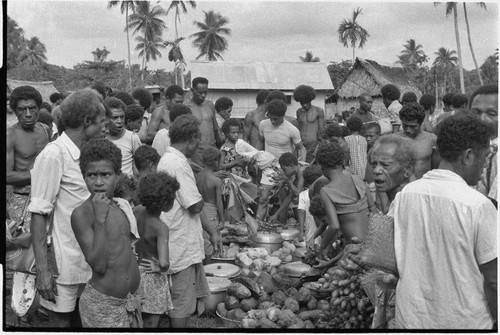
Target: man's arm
[[321, 124], [154, 124], [283, 206], [333, 221], [302, 152], [489, 271], [162, 246], [247, 126], [196, 208], [45, 282], [14, 177], [214, 233], [218, 198]]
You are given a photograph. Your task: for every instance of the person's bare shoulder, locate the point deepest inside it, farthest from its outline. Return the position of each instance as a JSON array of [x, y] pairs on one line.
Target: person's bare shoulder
[[81, 213], [213, 181]]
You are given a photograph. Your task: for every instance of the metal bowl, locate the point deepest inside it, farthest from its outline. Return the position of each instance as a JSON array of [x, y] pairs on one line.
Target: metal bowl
[[228, 323], [268, 240], [289, 234]]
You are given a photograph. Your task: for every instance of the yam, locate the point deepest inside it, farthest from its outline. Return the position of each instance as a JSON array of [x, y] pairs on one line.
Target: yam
[[231, 302], [292, 292], [323, 305], [267, 324], [304, 295], [289, 246], [312, 303], [239, 290], [297, 324], [273, 261], [231, 314], [273, 313], [291, 304], [279, 298], [243, 260], [311, 315], [221, 309], [309, 324], [286, 318], [249, 323], [248, 304], [266, 305], [239, 314]]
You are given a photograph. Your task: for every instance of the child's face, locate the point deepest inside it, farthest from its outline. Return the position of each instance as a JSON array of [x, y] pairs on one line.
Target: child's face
[[116, 122], [100, 178], [289, 171], [234, 133], [134, 125], [226, 113]]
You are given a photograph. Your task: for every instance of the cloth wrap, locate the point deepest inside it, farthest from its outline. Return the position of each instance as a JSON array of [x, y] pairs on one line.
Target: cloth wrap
[[154, 291]]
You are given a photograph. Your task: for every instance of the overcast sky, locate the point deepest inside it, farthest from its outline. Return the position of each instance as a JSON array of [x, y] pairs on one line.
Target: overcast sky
[[262, 31]]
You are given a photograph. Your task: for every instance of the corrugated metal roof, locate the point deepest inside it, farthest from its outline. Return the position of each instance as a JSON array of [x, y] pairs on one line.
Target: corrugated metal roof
[[46, 88], [262, 75]]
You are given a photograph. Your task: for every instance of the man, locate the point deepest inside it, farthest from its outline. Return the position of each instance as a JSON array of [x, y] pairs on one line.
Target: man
[[424, 144], [57, 187], [390, 96], [484, 104], [56, 99], [364, 112], [252, 121], [447, 107], [160, 118], [25, 140], [223, 109], [357, 147], [311, 119], [204, 111], [371, 133], [428, 102], [276, 94], [186, 222], [408, 97], [144, 98], [445, 237], [459, 103]]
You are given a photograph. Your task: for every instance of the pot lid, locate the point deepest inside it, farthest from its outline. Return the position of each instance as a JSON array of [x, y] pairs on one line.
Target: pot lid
[[225, 270], [218, 284], [289, 233], [300, 252], [296, 269], [267, 237]]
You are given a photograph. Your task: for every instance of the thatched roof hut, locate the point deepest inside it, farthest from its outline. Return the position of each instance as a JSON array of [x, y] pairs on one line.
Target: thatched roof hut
[[46, 88]]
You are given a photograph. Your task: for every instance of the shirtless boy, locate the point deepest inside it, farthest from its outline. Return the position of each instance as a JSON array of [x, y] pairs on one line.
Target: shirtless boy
[[160, 117], [311, 119], [423, 143], [157, 193], [252, 121], [103, 227], [210, 188], [146, 160]]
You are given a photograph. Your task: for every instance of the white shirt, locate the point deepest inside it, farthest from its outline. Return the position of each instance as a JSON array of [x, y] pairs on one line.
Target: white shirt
[[280, 139], [443, 231], [394, 109], [128, 144], [309, 224], [186, 233], [161, 141], [57, 184]]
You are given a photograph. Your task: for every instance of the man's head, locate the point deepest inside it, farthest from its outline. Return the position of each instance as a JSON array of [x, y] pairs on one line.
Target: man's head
[[484, 104], [354, 124], [174, 95], [224, 107], [289, 163], [460, 101], [25, 101], [134, 115], [143, 97], [408, 97], [125, 97], [45, 106], [365, 102], [186, 129], [463, 141], [125, 187], [231, 128], [261, 97], [447, 102], [84, 108], [211, 158], [146, 159], [333, 131], [316, 207], [116, 118], [275, 95], [392, 160], [178, 110], [428, 101], [389, 94], [304, 94], [311, 174], [412, 115], [56, 98], [371, 133], [199, 89], [100, 163], [157, 192], [346, 115], [330, 155], [275, 111]]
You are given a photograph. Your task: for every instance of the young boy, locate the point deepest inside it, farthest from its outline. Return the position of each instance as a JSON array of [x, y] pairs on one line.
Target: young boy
[[103, 226], [357, 147], [134, 115], [157, 193], [146, 160], [125, 189], [210, 188], [306, 220], [127, 141], [223, 108]]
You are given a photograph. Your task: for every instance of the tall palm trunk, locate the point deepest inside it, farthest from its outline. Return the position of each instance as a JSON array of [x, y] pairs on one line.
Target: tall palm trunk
[[144, 53], [128, 49], [437, 94], [459, 51], [470, 45], [353, 54]]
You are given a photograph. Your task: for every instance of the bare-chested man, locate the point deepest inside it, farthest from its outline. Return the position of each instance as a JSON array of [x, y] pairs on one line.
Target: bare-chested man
[[311, 119], [160, 117], [364, 112], [204, 111], [423, 143], [252, 120], [25, 140]]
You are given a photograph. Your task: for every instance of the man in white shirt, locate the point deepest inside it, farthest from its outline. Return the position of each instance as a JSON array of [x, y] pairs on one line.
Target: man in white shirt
[[445, 237]]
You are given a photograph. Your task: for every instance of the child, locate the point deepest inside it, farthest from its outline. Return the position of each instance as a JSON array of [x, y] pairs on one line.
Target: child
[[124, 139], [223, 107], [230, 160], [134, 115], [125, 189], [210, 188], [317, 211], [157, 193], [103, 226], [306, 220]]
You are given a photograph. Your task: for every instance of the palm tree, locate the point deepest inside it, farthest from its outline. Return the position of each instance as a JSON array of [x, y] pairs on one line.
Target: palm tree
[[15, 42], [125, 6], [309, 58], [209, 40], [149, 49], [100, 55], [451, 7], [33, 52], [175, 55], [482, 5], [350, 32], [175, 5], [444, 64], [489, 69], [412, 54]]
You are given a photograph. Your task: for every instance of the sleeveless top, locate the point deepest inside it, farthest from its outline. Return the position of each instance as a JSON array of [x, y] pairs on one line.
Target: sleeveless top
[[346, 204]]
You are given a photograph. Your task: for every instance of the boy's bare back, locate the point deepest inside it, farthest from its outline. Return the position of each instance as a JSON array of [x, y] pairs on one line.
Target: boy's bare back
[[152, 231], [208, 184]]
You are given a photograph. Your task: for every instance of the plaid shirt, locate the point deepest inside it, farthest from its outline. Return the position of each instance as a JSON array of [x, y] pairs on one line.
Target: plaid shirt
[[357, 153]]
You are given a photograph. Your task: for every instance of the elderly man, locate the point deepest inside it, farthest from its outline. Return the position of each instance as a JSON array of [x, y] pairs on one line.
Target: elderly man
[[57, 187], [445, 237], [160, 117], [186, 222], [25, 140]]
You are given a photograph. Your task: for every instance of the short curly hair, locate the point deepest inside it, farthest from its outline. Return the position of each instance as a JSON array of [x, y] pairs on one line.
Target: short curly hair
[[333, 130], [404, 154], [304, 94], [354, 124], [390, 92], [81, 104], [330, 155], [199, 80], [316, 207], [210, 155], [178, 110], [484, 90], [55, 96], [275, 95], [412, 112], [427, 101], [276, 108], [461, 132], [144, 155], [134, 112], [115, 103], [448, 99], [25, 93], [223, 103], [144, 96], [183, 128], [125, 97], [156, 190], [100, 149], [288, 159], [408, 97], [459, 100], [227, 124], [172, 90], [261, 97], [311, 173], [123, 184]]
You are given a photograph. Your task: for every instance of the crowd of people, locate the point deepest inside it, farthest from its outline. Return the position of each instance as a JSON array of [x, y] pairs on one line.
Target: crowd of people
[[138, 194]]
